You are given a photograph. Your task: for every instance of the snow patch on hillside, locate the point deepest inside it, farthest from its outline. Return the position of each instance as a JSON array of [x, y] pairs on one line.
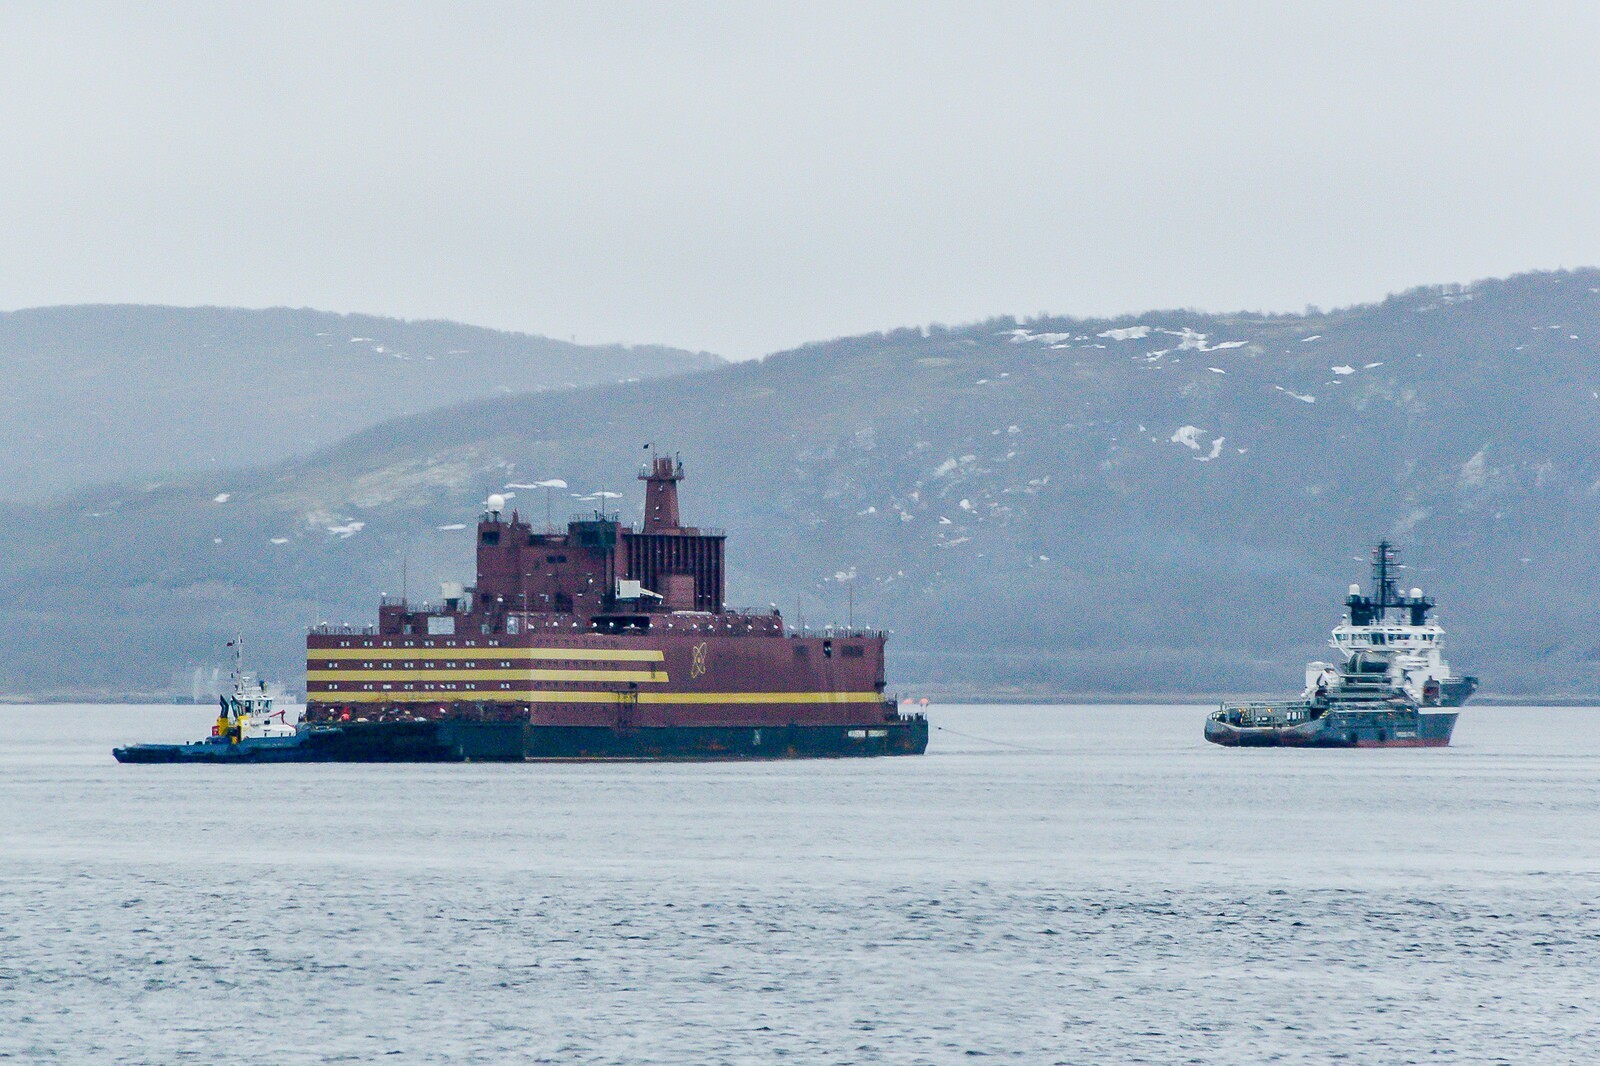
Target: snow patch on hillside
[[1188, 436], [1475, 471], [1027, 336]]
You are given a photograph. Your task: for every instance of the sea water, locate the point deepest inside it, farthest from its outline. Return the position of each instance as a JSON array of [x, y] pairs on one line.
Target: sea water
[[1047, 884]]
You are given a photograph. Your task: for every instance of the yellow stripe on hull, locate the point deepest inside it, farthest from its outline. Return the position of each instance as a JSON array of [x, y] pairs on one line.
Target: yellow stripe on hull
[[514, 696], [422, 674], [596, 655]]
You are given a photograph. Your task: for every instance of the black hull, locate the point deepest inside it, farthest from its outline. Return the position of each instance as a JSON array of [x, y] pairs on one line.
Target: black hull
[[1349, 730], [466, 741]]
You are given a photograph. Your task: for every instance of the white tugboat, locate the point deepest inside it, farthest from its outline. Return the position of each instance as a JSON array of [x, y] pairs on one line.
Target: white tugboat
[[1396, 629], [1386, 690]]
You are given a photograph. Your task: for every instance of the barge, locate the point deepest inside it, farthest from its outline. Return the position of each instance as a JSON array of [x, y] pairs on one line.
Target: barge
[[598, 641]]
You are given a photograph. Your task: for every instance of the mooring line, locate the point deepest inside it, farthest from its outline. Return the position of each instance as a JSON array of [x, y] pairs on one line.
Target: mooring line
[[989, 740]]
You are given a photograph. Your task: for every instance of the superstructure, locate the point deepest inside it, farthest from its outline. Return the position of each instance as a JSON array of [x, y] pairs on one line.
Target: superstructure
[[1394, 626]]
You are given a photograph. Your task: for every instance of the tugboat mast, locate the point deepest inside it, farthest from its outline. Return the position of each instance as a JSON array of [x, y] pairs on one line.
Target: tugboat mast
[[1383, 589]]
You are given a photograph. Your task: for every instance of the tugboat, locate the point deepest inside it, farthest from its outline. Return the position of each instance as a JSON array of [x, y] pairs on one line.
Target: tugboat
[[1388, 624], [247, 728], [1363, 705], [1385, 691]]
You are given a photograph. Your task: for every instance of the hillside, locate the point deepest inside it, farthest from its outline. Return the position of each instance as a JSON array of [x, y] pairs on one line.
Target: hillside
[[1172, 502], [102, 393]]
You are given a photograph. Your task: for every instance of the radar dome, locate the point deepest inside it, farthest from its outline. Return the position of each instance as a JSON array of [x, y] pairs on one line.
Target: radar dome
[[496, 503], [1355, 590], [1416, 594]]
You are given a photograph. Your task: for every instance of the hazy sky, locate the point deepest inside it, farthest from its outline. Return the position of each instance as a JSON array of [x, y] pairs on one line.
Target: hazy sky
[[744, 177]]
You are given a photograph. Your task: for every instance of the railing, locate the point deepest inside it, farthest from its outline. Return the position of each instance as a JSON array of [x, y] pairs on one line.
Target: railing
[[1266, 706], [833, 633]]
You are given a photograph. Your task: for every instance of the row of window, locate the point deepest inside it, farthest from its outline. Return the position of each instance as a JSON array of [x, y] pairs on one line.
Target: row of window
[[427, 664], [1391, 638], [476, 664], [544, 686], [443, 686], [415, 644], [849, 651]]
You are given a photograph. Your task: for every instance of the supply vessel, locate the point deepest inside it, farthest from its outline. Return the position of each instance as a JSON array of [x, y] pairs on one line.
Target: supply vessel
[[598, 641], [1386, 691]]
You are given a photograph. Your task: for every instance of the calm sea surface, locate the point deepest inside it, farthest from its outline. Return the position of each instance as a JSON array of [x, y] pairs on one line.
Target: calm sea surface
[[1083, 885]]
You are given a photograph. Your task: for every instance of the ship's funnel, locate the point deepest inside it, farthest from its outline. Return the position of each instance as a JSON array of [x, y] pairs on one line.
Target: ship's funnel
[[661, 479]]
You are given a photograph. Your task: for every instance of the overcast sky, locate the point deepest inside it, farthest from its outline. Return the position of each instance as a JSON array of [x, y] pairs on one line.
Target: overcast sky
[[745, 177]]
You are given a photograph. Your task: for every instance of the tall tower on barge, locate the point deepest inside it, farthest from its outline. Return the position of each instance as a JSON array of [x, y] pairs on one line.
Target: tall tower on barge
[[603, 640]]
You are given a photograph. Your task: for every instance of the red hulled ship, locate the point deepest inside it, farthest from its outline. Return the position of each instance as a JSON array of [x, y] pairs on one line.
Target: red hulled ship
[[599, 641]]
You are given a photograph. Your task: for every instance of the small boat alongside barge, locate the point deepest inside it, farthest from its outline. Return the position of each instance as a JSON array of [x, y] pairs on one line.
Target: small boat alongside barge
[[248, 729]]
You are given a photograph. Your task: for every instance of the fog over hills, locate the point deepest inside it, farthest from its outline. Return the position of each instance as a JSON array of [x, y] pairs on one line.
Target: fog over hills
[[1171, 502], [93, 393]]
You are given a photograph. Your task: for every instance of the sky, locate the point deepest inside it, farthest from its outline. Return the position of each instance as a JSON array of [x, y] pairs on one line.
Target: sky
[[742, 178]]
